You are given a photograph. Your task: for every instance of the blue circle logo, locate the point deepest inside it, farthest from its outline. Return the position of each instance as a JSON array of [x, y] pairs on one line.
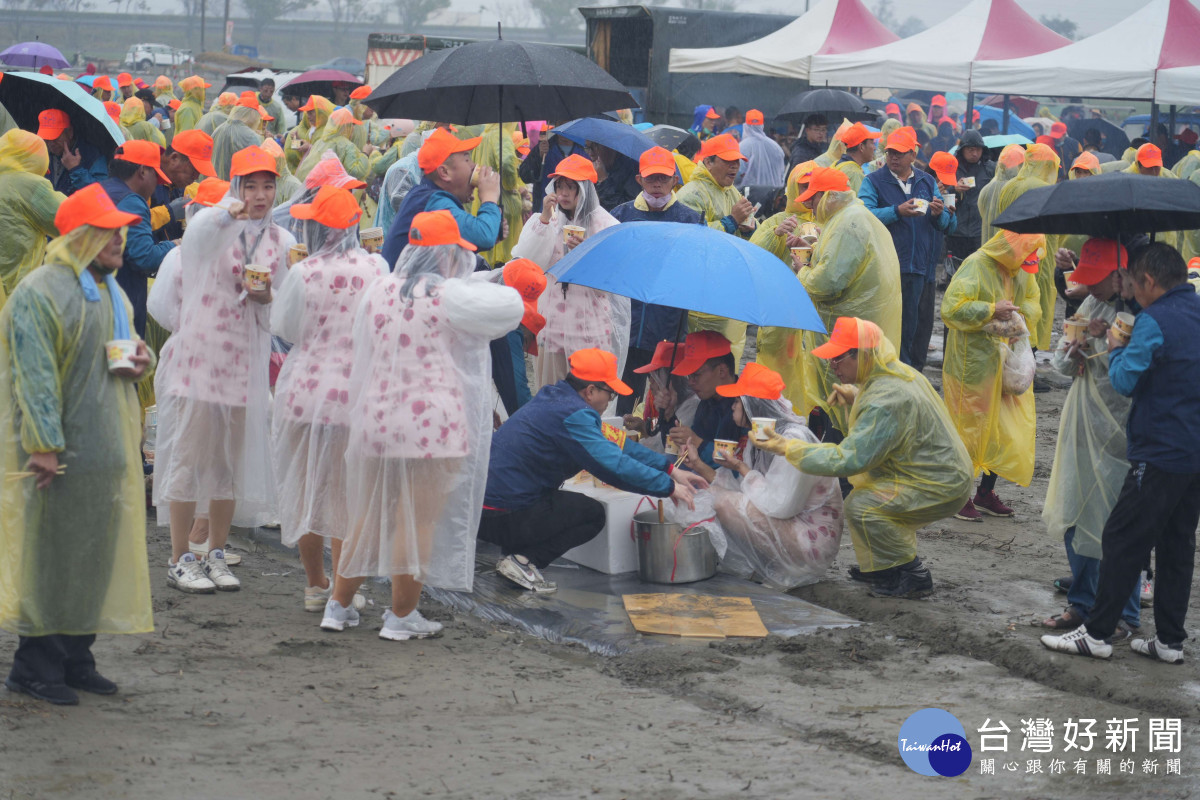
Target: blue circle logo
[[933, 742]]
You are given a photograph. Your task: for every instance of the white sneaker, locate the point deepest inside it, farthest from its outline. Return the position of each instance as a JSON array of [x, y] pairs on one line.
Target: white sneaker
[[338, 618], [1078, 643], [1156, 649], [315, 598], [218, 572], [1147, 587], [200, 551], [188, 576], [414, 626], [523, 573]]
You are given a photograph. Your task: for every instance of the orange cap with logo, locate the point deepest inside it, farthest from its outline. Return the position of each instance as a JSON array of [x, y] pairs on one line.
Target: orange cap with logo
[[344, 116], [825, 179], [656, 161], [945, 166], [198, 147], [856, 134], [251, 160], [124, 79], [103, 82], [361, 93], [902, 140], [114, 110], [663, 358], [847, 335], [755, 381], [440, 145], [576, 168], [332, 206], [755, 117], [1148, 155], [724, 147], [144, 154], [698, 348], [91, 205], [1087, 161], [432, 228], [210, 192], [598, 366]]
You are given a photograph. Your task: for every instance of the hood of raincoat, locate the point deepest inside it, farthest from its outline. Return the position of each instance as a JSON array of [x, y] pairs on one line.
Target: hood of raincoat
[[80, 247], [877, 355], [1041, 163], [332, 129], [971, 138], [587, 205], [831, 203], [23, 151], [794, 206], [323, 107], [324, 240], [433, 265], [1009, 250], [698, 115], [766, 163], [889, 127], [133, 110], [1185, 166], [1136, 169]]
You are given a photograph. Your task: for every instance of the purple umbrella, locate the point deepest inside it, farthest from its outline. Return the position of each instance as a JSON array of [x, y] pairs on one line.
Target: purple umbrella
[[35, 55]]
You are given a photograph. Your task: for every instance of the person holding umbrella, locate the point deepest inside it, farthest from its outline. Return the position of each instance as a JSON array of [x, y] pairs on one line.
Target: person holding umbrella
[[74, 163], [191, 107], [811, 142], [30, 204]]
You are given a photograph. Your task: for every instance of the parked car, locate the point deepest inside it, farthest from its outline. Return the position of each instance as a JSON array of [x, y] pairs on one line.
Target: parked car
[[148, 56], [355, 66]]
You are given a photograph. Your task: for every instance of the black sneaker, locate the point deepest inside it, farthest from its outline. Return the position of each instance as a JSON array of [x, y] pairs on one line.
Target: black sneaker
[[912, 580], [1040, 385], [56, 693], [878, 576], [91, 681]]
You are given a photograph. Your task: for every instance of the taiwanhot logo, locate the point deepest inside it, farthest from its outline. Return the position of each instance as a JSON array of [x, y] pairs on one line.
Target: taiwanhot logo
[[933, 742]]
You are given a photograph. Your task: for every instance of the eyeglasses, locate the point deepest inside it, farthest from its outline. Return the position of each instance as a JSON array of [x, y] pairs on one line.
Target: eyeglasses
[[611, 392], [835, 362]]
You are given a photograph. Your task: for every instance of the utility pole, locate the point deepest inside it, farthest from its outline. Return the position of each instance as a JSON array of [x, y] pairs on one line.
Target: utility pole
[[203, 9], [224, 31]]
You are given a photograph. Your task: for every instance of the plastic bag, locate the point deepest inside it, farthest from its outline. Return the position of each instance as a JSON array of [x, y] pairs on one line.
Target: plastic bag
[[1019, 365], [702, 516]]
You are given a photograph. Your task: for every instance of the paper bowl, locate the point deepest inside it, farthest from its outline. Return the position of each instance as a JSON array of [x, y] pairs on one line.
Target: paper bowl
[[372, 238], [1076, 330], [256, 278], [120, 354], [968, 182], [580, 232], [922, 205], [723, 449], [1124, 323], [296, 254], [760, 426]]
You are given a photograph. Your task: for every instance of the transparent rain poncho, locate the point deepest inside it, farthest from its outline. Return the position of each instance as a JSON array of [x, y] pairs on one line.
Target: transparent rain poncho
[[217, 115], [1090, 462], [1120, 164], [328, 172], [901, 453], [310, 426], [1185, 166], [335, 138], [998, 429], [287, 185], [133, 120], [239, 131], [766, 162], [421, 420], [854, 272], [577, 317], [306, 131], [1040, 169], [487, 154], [72, 556], [213, 384], [1012, 158], [398, 181], [781, 523], [28, 207]]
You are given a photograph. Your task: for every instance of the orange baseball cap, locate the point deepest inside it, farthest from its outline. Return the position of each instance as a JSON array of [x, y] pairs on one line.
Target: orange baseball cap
[[1058, 130], [1098, 259], [528, 279], [945, 166], [124, 79], [194, 82], [440, 145], [91, 205], [344, 116], [361, 93], [1148, 155], [330, 172], [1047, 140], [664, 355], [198, 147], [802, 173], [755, 117], [826, 179], [114, 110], [856, 134], [938, 100], [210, 192], [598, 366], [103, 82], [724, 147], [262, 112], [145, 154], [332, 206], [846, 336], [656, 161], [251, 160], [174, 104], [755, 381], [902, 140], [891, 108], [577, 168], [227, 99], [431, 228], [712, 113], [1086, 161], [248, 100], [163, 82], [698, 348]]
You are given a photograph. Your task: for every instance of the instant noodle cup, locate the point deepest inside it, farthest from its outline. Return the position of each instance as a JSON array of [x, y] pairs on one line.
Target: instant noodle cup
[[120, 354], [760, 426], [968, 182], [809, 231], [801, 256], [1076, 330], [576, 230], [256, 278], [670, 448], [372, 239], [1122, 327], [950, 200], [922, 205], [723, 449], [634, 436], [297, 253]]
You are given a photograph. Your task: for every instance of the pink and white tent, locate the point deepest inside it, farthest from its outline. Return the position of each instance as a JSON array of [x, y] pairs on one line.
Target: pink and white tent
[[1178, 87], [941, 57], [832, 26], [1120, 62]]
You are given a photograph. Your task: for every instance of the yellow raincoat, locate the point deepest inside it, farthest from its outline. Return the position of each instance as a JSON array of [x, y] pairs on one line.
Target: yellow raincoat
[[998, 429], [133, 120], [1012, 158], [239, 131], [28, 207], [686, 166], [1119, 165], [1189, 241], [306, 131], [854, 273], [487, 154], [901, 453], [1040, 169], [713, 202], [923, 124], [72, 556], [336, 137], [191, 108], [780, 348]]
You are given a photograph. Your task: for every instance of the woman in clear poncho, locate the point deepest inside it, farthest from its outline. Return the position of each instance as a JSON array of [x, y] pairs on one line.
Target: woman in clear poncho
[[1012, 158], [288, 185], [191, 108], [1040, 169], [133, 121], [72, 555], [781, 348], [992, 284], [336, 139], [901, 453], [310, 429], [577, 317], [780, 523], [28, 207], [487, 154], [240, 130], [328, 172], [309, 131], [420, 424], [213, 455]]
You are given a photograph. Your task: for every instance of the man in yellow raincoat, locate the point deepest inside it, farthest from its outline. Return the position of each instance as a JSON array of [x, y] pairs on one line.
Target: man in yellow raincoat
[[73, 527], [1040, 169], [901, 452], [29, 205], [998, 429], [314, 116], [242, 128], [191, 109], [860, 148]]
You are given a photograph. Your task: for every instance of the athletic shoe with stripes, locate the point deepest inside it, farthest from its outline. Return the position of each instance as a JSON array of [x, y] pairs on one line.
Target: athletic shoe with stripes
[[1078, 643], [1153, 648]]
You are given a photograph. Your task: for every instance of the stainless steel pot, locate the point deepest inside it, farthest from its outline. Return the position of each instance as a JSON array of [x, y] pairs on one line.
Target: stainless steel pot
[[666, 554]]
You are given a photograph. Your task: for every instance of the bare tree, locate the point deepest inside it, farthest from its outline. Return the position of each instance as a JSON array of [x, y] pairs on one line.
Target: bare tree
[[413, 13], [886, 14], [1061, 25], [263, 12], [72, 10], [557, 16], [344, 11], [16, 13]]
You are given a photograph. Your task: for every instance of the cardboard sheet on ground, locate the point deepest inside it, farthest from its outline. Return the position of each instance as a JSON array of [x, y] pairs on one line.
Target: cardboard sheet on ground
[[588, 610], [694, 615]]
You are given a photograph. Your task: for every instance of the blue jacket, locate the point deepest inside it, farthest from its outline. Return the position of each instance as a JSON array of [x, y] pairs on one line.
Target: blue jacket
[[651, 324], [92, 169], [714, 420], [914, 237], [551, 438], [142, 255], [1160, 370], [480, 231]]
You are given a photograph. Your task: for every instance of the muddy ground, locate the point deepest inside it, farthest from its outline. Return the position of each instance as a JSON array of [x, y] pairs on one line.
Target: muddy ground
[[241, 695]]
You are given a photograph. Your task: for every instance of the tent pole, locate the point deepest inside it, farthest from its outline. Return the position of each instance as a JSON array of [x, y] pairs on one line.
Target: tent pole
[[1004, 127], [970, 112], [1153, 122], [1170, 126]]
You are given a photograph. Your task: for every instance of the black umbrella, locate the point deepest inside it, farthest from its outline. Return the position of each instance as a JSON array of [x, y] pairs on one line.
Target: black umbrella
[[670, 137], [1106, 205], [831, 103], [1115, 140], [27, 94]]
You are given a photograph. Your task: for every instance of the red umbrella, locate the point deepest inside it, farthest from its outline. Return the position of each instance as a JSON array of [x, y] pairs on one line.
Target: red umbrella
[[319, 81]]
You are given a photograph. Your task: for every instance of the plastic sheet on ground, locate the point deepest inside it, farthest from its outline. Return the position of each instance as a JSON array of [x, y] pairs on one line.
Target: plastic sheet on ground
[[588, 610]]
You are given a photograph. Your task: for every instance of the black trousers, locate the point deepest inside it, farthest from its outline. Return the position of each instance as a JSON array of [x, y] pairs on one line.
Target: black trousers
[[550, 527], [1155, 510], [919, 350], [636, 358], [50, 659]]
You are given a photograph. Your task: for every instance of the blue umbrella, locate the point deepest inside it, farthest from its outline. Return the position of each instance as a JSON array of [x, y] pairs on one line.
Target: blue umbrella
[[27, 94], [692, 267], [1015, 123], [625, 139]]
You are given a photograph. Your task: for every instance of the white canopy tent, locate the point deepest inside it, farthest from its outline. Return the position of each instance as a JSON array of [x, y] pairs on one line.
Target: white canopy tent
[[1120, 62], [832, 26], [941, 57], [1178, 87]]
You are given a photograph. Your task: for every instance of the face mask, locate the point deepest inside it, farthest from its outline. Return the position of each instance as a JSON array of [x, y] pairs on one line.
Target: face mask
[[657, 203]]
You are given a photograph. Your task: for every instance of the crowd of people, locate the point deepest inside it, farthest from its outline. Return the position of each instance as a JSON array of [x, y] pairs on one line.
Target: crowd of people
[[313, 322]]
